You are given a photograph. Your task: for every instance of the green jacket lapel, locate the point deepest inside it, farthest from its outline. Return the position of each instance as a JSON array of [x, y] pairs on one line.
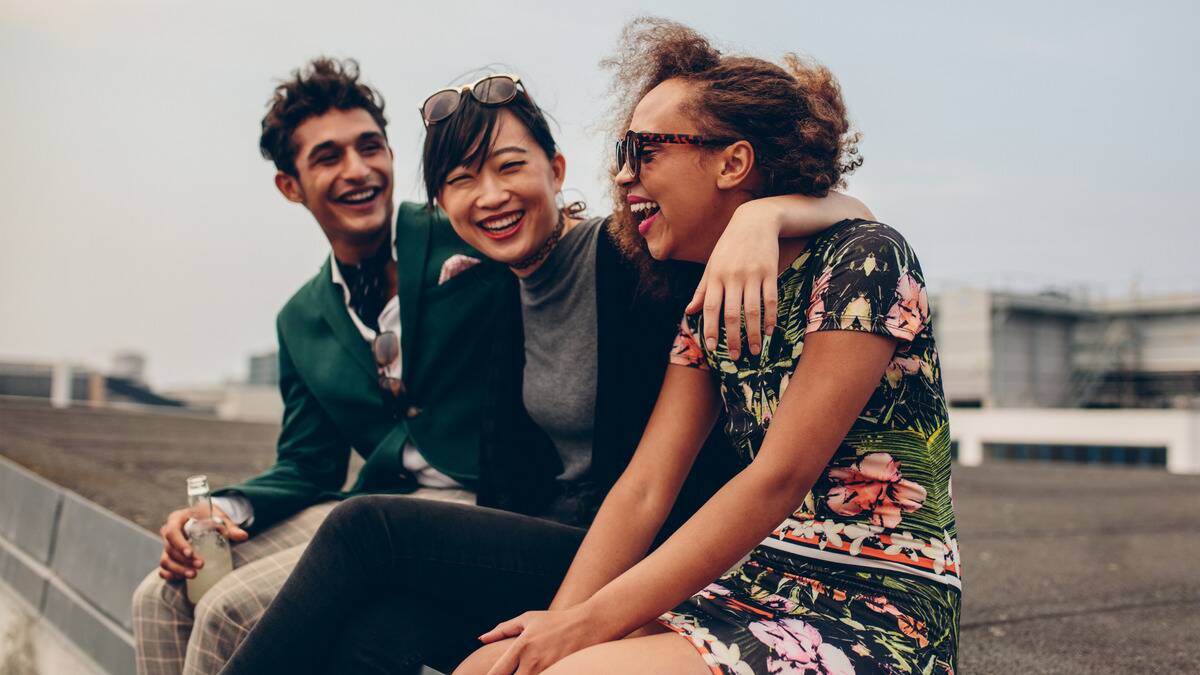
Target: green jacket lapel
[[333, 310], [412, 252]]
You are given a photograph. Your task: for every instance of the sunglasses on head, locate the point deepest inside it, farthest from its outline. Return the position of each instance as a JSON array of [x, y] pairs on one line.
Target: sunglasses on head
[[492, 90], [629, 149]]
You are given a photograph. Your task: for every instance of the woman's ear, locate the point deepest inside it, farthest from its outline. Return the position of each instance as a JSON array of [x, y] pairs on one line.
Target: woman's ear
[[559, 166], [737, 164]]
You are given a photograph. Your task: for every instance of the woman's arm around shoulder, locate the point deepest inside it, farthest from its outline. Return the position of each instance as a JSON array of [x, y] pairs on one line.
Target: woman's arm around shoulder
[[741, 272]]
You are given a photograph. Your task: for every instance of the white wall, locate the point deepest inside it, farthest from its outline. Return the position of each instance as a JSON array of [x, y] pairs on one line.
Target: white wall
[[962, 328], [1177, 430]]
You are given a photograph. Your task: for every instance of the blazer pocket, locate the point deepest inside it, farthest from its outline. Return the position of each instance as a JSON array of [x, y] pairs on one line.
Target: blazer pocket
[[470, 278]]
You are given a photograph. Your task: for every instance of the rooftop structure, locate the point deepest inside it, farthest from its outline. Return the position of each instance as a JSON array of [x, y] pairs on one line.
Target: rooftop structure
[[1002, 349]]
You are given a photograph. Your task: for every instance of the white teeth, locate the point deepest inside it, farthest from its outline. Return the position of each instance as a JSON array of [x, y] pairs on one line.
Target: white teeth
[[642, 207], [362, 195], [501, 224]]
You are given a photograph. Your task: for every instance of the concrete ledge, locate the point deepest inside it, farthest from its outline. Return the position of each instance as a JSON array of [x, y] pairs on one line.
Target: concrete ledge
[[93, 633], [28, 511], [23, 575], [75, 563], [102, 556]]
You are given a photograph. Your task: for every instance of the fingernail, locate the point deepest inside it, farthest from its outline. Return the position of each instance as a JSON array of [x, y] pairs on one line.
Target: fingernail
[[711, 343], [199, 563], [187, 552], [189, 574]]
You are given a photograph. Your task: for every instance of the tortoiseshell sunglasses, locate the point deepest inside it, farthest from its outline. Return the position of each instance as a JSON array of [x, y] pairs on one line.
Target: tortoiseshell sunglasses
[[629, 149]]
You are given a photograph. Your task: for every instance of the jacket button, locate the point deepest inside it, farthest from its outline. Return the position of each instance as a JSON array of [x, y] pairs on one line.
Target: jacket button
[[412, 411]]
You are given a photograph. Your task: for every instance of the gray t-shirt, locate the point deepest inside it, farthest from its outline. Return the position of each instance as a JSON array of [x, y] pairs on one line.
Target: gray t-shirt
[[558, 305]]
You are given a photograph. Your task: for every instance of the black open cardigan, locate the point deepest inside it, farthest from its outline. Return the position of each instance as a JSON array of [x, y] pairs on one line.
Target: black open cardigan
[[635, 331]]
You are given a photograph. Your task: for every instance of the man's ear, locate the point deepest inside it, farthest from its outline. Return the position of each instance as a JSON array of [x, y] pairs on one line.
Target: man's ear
[[289, 187], [737, 163]]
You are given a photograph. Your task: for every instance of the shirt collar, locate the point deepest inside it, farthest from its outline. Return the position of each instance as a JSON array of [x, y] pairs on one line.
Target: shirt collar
[[336, 274]]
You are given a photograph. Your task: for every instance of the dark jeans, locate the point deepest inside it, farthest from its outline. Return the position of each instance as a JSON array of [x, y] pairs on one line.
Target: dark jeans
[[389, 583]]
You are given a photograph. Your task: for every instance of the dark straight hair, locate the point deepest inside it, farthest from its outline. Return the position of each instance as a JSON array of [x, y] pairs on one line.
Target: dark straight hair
[[463, 138]]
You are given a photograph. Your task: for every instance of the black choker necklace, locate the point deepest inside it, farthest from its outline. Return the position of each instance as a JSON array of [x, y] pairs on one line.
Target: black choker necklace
[[543, 250]]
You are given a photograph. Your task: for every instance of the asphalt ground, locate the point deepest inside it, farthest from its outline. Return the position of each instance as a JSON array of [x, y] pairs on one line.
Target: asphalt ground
[[1067, 568]]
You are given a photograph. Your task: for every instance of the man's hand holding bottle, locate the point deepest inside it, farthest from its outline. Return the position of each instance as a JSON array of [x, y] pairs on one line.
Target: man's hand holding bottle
[[178, 560]]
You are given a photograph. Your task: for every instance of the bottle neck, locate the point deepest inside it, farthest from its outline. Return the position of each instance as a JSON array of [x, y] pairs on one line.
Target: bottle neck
[[200, 505]]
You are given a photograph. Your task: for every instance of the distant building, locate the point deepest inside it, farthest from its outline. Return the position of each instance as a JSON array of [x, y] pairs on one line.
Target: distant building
[[264, 369], [255, 400], [1001, 349], [129, 365], [75, 384]]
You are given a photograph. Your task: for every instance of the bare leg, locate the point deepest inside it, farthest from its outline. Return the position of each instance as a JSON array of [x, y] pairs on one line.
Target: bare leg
[[662, 653], [483, 658], [649, 649]]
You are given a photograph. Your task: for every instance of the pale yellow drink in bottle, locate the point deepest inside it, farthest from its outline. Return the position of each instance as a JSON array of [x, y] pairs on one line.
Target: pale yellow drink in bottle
[[206, 540]]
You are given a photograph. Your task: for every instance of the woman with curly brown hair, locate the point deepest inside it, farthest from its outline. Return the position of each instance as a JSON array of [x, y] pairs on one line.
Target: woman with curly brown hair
[[834, 549]]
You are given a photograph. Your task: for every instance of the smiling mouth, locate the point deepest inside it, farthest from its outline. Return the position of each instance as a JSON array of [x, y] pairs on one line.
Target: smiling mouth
[[359, 197], [644, 214], [504, 225]]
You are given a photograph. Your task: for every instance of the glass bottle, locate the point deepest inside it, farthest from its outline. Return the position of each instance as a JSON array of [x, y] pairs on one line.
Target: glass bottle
[[206, 540]]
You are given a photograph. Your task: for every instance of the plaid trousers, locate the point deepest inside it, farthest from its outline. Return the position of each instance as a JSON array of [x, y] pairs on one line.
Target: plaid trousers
[[171, 637]]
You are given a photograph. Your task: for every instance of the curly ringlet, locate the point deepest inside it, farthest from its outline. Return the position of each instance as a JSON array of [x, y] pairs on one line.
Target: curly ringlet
[[792, 114]]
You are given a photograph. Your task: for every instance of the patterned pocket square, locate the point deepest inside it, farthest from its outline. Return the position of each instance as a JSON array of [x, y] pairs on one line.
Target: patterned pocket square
[[455, 265]]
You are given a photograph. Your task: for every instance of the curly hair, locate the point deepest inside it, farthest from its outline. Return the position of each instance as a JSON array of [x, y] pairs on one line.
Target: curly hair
[[792, 114], [323, 84]]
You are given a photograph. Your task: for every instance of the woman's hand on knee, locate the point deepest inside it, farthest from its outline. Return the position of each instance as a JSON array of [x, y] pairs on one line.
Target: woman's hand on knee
[[482, 659]]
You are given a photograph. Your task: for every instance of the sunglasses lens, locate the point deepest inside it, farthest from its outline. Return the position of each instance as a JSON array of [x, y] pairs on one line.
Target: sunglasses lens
[[630, 155], [440, 106], [495, 90], [386, 348]]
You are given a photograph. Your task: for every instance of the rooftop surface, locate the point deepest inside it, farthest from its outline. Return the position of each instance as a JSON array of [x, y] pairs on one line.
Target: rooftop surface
[[1068, 568]]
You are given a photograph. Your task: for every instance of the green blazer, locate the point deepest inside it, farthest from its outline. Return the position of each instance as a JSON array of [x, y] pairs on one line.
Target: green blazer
[[328, 378]]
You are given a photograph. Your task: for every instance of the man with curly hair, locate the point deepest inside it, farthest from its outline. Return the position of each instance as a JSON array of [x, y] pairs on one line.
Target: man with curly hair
[[383, 351]]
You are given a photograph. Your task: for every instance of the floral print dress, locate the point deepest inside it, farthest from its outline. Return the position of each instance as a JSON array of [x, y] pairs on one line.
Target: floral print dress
[[865, 575]]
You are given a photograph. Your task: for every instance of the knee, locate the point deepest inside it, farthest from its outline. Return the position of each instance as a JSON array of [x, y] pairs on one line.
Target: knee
[[376, 518], [579, 663], [220, 610], [360, 526], [357, 513], [155, 594], [149, 591], [482, 659]]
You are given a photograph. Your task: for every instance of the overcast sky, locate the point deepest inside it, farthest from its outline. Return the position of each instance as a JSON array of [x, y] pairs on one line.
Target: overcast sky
[[1016, 144]]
